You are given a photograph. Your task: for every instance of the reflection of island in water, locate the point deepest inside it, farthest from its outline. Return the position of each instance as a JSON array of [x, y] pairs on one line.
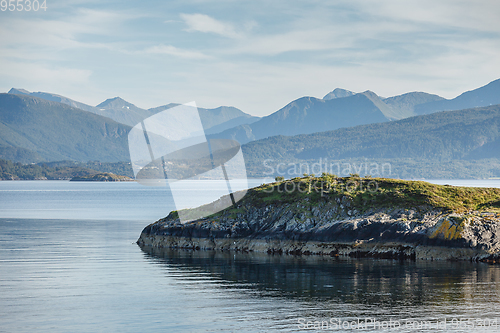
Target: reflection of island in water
[[355, 281]]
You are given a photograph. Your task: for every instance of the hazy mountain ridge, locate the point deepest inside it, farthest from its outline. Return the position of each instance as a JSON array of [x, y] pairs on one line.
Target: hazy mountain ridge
[[361, 125], [338, 109], [55, 98], [122, 111], [34, 129], [218, 119], [395, 107], [129, 114], [56, 131], [406, 103], [388, 112], [439, 136], [418, 103], [309, 115], [483, 96], [105, 109]]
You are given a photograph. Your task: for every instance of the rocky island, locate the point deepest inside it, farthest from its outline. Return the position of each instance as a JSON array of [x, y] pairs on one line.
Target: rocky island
[[102, 177], [346, 216]]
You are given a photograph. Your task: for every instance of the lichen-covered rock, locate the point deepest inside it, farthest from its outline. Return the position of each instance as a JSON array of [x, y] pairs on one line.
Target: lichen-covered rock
[[341, 223]]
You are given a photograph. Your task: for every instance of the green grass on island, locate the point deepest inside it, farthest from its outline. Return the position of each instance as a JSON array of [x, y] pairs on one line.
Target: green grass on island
[[367, 192], [363, 193]]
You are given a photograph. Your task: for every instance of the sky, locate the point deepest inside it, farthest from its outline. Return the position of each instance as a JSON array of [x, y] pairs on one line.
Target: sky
[[255, 55]]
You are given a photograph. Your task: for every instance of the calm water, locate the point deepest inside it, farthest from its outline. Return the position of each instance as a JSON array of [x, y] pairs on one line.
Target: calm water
[[68, 263]]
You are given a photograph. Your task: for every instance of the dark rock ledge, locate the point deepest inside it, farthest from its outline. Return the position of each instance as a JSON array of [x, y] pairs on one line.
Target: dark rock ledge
[[393, 220]]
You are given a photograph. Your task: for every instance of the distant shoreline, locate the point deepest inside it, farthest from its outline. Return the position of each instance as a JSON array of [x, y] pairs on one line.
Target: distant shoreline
[[102, 177]]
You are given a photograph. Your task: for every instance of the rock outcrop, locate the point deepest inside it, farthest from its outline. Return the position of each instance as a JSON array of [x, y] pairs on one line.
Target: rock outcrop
[[340, 216], [102, 177]]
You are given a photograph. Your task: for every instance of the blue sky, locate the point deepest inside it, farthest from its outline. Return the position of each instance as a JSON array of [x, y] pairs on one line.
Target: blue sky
[[254, 55]]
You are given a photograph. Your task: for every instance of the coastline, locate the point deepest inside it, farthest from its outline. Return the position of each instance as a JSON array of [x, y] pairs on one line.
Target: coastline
[[407, 220], [377, 250]]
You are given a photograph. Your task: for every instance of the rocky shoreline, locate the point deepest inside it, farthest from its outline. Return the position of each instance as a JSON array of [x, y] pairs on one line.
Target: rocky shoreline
[[102, 177], [341, 223]]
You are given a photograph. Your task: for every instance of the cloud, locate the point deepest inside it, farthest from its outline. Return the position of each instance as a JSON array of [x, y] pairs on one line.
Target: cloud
[[207, 24], [42, 75], [479, 15], [44, 37], [259, 56], [174, 51], [299, 40]]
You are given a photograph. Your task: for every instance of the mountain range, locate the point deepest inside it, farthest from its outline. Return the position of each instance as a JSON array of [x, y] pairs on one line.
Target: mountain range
[[343, 108], [441, 136], [37, 126], [484, 96], [40, 126], [127, 113], [34, 129]]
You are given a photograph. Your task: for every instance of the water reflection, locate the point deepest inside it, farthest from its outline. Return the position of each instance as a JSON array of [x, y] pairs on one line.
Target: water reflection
[[322, 280]]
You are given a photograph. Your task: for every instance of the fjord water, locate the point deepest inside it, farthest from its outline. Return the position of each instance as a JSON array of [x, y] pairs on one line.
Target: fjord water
[[69, 263]]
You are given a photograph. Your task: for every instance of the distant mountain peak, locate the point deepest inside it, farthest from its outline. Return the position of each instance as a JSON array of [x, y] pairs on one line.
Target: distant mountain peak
[[338, 93], [389, 113], [369, 93], [115, 102], [19, 91]]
